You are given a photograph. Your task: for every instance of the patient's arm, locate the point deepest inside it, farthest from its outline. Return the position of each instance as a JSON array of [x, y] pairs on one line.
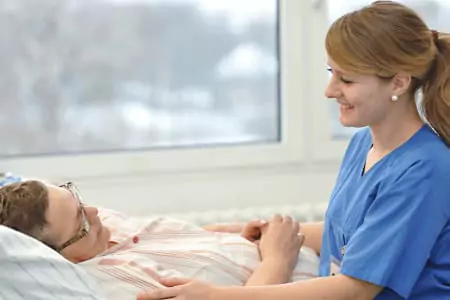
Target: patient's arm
[[312, 230], [251, 231], [226, 227]]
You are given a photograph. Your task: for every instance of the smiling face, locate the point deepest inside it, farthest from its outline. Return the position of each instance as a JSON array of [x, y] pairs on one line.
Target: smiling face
[[65, 216], [379, 51], [364, 100]]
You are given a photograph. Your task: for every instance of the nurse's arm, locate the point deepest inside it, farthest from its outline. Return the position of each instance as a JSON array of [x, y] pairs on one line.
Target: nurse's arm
[[313, 232], [338, 287]]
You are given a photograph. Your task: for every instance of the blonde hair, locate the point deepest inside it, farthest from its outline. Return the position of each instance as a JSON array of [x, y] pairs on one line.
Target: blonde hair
[[386, 38]]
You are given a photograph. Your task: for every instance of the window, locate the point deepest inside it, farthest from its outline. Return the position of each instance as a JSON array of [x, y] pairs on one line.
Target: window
[[83, 76], [330, 137], [119, 87]]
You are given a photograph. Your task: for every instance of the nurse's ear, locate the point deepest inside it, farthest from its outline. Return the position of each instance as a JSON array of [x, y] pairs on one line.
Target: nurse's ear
[[401, 84]]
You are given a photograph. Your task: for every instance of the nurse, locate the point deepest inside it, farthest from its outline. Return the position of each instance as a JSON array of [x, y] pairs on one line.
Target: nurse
[[387, 228]]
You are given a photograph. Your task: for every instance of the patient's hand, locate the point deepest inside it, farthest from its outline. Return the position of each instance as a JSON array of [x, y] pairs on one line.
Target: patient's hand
[[253, 230], [280, 241]]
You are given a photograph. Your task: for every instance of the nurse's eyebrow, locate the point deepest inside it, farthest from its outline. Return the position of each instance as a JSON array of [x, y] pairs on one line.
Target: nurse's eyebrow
[[341, 72]]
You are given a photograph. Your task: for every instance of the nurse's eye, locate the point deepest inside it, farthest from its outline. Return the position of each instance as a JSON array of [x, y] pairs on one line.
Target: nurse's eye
[[346, 81], [330, 73]]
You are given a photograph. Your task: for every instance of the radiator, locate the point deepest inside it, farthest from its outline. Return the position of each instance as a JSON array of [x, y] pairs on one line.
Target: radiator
[[301, 213]]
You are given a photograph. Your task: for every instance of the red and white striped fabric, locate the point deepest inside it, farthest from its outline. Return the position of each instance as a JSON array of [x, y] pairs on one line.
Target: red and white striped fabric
[[148, 249]]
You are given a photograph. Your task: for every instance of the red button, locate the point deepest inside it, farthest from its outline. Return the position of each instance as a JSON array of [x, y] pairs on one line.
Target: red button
[[136, 240]]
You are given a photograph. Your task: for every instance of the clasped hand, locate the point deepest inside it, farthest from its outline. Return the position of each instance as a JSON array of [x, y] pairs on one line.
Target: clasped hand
[[278, 240]]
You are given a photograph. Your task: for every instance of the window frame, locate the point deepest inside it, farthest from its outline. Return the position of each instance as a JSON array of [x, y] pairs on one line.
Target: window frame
[[326, 147], [293, 147]]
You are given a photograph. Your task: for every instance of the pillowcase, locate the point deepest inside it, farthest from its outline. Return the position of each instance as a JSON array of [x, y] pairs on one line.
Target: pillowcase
[[31, 270], [7, 178]]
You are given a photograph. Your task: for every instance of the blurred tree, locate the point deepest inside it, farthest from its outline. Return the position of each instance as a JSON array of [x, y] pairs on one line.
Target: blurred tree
[[62, 55]]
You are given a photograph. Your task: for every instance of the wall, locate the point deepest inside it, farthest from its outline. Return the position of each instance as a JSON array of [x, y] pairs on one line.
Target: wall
[[203, 191]]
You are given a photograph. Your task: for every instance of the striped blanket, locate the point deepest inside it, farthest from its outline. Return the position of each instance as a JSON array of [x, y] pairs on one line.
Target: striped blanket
[[148, 249]]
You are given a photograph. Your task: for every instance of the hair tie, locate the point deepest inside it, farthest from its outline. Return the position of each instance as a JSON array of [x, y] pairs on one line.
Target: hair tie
[[435, 34]]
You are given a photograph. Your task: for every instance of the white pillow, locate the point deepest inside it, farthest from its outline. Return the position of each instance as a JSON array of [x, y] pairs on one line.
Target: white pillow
[[31, 270]]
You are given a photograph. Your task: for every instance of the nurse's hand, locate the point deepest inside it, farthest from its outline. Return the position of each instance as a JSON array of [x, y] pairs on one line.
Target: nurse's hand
[[180, 289], [281, 241]]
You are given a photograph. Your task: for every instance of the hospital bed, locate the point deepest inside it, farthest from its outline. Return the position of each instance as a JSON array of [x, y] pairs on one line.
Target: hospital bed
[[26, 262]]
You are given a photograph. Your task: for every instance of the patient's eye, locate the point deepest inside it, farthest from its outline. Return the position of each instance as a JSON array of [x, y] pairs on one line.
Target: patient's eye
[[79, 219]]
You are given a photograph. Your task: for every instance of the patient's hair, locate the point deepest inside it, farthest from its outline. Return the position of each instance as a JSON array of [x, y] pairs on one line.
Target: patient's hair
[[23, 206], [386, 38]]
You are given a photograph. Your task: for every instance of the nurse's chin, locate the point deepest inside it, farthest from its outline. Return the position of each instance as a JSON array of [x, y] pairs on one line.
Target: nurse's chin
[[346, 122], [351, 120]]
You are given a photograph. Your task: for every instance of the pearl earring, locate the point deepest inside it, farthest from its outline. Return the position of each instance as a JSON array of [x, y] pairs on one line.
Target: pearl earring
[[394, 98]]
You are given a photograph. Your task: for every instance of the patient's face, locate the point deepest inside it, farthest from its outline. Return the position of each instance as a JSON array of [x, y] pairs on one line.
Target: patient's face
[[65, 222]]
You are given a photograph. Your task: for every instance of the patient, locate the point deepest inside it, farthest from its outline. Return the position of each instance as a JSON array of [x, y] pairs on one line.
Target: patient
[[128, 255]]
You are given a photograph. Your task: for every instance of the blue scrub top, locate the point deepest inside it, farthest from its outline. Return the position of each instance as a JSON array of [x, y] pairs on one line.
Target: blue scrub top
[[390, 226]]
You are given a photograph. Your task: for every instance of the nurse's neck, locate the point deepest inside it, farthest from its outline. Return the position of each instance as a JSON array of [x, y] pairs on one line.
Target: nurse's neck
[[396, 129]]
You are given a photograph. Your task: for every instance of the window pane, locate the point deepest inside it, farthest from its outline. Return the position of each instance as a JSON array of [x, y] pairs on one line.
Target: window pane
[[434, 12], [105, 75]]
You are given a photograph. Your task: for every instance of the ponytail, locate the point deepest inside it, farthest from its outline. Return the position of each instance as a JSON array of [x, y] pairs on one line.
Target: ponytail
[[436, 90]]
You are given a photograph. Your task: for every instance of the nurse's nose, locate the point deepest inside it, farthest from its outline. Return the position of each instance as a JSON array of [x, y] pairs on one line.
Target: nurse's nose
[[332, 91]]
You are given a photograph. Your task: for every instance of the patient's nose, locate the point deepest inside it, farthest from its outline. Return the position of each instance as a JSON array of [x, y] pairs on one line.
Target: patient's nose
[[91, 211]]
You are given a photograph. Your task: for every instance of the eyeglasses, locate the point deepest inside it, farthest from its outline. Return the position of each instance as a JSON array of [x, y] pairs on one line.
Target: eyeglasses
[[84, 222]]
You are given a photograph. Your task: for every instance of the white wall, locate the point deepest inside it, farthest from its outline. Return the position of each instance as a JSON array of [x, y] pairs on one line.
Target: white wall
[[203, 191]]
